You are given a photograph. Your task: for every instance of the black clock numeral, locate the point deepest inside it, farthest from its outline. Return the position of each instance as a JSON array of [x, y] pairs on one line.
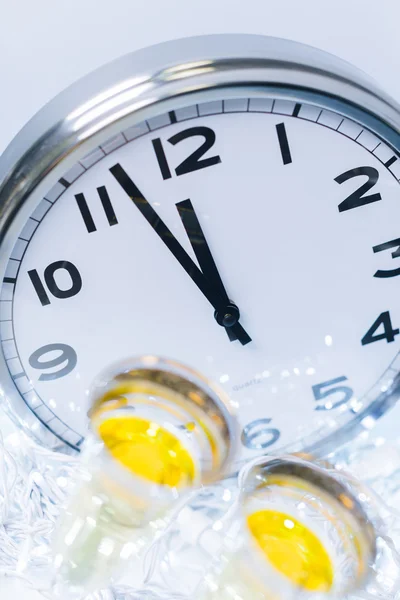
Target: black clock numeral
[[39, 287], [395, 254], [192, 162], [161, 158], [358, 198], [49, 272], [87, 215], [283, 143], [327, 388], [67, 355], [257, 436], [388, 333]]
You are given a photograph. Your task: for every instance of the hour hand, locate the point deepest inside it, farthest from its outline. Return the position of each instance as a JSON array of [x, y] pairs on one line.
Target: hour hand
[[227, 312], [208, 281]]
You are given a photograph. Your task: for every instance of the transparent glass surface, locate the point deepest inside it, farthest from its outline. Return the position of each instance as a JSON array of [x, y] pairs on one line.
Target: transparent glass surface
[[296, 531], [158, 432]]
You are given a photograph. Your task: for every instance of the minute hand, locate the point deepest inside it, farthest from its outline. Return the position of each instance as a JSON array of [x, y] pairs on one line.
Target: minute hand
[[205, 259], [211, 290]]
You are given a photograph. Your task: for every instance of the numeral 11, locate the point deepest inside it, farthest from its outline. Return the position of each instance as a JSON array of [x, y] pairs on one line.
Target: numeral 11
[[87, 215]]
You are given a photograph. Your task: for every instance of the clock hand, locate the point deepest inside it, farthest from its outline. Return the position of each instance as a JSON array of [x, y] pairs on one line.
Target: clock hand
[[203, 254], [226, 314]]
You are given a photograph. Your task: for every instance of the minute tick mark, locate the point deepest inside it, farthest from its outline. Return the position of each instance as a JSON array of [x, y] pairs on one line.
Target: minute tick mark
[[296, 110], [389, 162]]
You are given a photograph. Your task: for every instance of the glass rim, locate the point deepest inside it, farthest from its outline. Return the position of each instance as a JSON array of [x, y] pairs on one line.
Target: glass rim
[[298, 468], [180, 385]]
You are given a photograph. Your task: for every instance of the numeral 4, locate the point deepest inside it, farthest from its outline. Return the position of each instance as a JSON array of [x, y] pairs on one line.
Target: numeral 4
[[387, 334]]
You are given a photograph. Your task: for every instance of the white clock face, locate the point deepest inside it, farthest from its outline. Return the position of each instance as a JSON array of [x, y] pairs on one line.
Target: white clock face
[[288, 213]]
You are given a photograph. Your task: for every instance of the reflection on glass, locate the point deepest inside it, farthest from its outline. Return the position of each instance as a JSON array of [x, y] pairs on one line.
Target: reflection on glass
[[159, 430], [297, 531]]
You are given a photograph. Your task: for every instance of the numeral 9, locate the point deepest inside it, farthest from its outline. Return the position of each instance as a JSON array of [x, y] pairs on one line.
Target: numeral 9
[[67, 355]]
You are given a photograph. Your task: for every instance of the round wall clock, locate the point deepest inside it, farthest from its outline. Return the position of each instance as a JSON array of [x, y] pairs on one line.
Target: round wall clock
[[228, 201]]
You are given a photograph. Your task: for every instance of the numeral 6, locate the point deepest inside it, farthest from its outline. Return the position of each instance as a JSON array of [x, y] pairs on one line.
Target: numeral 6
[[257, 436]]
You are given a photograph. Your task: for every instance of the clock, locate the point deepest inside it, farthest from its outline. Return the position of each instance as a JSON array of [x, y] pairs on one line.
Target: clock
[[228, 201]]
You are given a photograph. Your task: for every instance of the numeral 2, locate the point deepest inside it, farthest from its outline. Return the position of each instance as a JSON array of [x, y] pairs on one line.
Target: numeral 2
[[87, 215], [358, 198], [192, 162], [76, 281]]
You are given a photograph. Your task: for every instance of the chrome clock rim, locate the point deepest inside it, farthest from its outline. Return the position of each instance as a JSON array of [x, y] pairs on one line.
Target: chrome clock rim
[[155, 80]]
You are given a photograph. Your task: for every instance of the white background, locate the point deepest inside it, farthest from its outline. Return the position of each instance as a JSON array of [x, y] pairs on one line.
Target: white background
[[47, 44]]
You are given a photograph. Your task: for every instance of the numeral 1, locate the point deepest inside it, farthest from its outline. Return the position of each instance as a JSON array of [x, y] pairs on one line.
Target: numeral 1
[[86, 214], [283, 144]]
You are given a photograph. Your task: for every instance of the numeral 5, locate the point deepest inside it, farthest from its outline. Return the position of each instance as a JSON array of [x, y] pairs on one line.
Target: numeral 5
[[329, 388]]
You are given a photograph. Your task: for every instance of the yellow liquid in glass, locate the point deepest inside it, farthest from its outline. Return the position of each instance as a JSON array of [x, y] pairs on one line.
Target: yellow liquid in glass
[[148, 450], [292, 549]]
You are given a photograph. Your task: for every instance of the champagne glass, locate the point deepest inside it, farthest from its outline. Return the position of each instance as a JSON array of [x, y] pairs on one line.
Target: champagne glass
[[159, 430], [299, 530]]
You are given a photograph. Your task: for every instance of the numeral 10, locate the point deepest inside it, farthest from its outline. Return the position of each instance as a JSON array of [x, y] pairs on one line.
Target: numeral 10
[[52, 286]]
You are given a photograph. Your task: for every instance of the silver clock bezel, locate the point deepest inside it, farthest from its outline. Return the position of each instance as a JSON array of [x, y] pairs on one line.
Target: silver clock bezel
[[167, 77]]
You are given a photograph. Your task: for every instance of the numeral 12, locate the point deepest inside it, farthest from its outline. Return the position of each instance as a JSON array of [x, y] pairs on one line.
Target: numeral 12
[[194, 161]]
